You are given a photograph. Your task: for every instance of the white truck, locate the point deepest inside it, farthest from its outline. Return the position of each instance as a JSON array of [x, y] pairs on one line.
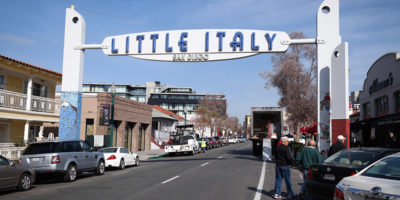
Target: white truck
[[184, 141], [182, 144]]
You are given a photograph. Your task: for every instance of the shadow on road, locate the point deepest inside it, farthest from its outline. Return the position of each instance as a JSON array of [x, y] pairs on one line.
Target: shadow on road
[[182, 159], [271, 193]]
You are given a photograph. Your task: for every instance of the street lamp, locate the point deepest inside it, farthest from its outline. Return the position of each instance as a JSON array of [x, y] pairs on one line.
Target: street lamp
[[185, 110], [111, 127]]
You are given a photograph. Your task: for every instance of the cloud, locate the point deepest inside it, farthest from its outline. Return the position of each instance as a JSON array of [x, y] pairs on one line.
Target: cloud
[[16, 39]]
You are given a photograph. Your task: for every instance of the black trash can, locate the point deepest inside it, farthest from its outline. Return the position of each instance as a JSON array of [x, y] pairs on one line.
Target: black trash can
[[257, 146]]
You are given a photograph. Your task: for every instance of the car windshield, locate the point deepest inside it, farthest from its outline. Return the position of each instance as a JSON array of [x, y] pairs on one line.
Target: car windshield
[[388, 168], [108, 150], [353, 157], [41, 148]]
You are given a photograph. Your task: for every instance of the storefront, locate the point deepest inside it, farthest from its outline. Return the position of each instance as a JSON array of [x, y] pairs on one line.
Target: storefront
[[380, 102]]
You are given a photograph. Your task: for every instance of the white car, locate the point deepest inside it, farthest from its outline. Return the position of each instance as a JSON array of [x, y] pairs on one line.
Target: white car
[[233, 140], [119, 157], [381, 180]]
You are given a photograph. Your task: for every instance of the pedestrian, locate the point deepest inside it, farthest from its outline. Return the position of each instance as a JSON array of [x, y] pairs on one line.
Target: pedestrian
[[203, 145], [339, 145], [392, 141], [284, 159], [307, 157], [323, 154]]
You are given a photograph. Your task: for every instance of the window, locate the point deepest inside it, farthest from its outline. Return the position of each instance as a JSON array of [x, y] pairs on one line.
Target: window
[[89, 127], [388, 168], [86, 88], [381, 105], [138, 91], [141, 99], [120, 88], [397, 101], [3, 161], [37, 89], [367, 110], [41, 148], [2, 82], [85, 146], [71, 147]]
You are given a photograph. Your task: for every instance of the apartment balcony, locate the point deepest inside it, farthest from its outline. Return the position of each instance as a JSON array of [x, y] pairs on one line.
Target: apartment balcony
[[19, 101]]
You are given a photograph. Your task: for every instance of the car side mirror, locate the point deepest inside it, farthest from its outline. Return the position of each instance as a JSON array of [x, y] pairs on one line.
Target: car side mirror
[[12, 163], [91, 149]]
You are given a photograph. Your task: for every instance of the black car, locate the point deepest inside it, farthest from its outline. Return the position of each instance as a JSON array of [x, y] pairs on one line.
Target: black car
[[323, 177]]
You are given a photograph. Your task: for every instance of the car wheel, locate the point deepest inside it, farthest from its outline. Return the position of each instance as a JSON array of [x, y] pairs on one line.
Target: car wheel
[[100, 168], [71, 173], [25, 182], [122, 164], [137, 161]]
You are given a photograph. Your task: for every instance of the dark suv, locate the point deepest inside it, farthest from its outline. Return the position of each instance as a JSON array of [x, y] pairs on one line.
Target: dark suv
[[64, 157]]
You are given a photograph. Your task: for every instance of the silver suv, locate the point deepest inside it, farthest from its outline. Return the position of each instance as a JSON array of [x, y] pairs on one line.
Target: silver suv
[[64, 157]]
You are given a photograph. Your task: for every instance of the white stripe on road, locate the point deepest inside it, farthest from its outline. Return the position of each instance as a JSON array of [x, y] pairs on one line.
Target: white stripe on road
[[170, 179], [220, 157], [260, 183], [204, 164]]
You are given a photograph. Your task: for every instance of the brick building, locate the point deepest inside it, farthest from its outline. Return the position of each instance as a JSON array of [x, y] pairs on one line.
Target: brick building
[[132, 121]]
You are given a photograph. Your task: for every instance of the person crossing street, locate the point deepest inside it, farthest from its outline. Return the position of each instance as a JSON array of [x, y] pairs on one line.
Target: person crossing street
[[284, 159], [203, 145], [307, 157]]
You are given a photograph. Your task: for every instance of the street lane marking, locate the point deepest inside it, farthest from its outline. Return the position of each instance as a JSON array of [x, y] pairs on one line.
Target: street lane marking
[[204, 164], [220, 157], [260, 183], [170, 179]]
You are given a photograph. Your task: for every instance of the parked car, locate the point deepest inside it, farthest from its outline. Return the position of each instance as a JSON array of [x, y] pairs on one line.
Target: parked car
[[233, 140], [224, 141], [380, 180], [63, 157], [182, 144], [323, 177], [213, 142], [242, 139], [119, 157], [217, 141], [13, 175]]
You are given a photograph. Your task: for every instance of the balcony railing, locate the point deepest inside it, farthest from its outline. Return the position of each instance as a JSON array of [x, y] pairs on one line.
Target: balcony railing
[[10, 151], [18, 101]]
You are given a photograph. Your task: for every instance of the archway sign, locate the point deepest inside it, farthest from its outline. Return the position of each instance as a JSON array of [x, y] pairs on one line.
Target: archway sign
[[212, 45]]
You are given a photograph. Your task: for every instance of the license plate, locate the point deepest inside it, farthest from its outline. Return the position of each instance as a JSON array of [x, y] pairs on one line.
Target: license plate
[[36, 159], [329, 177]]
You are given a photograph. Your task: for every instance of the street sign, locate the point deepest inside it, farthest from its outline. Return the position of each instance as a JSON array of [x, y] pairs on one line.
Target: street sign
[[196, 45]]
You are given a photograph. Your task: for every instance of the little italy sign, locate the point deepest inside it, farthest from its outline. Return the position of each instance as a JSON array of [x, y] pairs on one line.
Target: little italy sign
[[196, 45]]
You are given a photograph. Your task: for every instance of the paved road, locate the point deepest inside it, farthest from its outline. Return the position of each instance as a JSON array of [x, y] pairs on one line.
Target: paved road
[[230, 172]]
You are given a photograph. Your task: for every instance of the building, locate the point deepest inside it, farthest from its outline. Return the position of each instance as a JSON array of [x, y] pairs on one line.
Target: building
[[247, 125], [380, 102], [132, 122], [27, 101], [163, 125], [179, 100]]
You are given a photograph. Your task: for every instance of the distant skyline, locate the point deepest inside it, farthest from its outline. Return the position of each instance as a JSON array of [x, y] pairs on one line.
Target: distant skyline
[[33, 32]]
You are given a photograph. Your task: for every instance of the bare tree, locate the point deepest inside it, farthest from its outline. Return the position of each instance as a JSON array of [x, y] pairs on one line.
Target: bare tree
[[294, 74], [211, 112]]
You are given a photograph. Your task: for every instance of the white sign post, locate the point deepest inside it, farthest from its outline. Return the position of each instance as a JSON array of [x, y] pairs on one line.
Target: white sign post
[[211, 45]]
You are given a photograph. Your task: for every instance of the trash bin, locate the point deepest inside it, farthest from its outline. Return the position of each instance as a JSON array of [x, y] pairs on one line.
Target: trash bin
[[257, 146]]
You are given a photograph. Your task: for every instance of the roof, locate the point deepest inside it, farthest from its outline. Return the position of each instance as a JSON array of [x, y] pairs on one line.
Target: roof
[[167, 112], [159, 114], [30, 65]]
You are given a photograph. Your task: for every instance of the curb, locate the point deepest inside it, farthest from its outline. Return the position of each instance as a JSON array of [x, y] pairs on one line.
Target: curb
[[156, 157]]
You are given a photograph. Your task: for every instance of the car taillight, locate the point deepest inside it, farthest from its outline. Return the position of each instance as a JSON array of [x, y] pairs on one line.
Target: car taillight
[[309, 174], [112, 157], [338, 195], [55, 159], [353, 173]]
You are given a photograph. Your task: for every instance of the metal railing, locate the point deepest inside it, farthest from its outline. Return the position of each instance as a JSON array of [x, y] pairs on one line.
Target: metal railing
[[47, 105], [12, 153], [14, 100]]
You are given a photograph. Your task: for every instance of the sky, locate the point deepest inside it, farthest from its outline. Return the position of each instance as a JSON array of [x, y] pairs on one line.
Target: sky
[[33, 32]]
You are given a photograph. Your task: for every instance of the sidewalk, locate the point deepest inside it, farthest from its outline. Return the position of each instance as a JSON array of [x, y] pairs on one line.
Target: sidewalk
[[152, 154]]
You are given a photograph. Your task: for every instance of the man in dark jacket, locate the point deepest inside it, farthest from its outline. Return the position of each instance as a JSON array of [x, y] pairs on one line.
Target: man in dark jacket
[[339, 145], [284, 159], [307, 157]]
